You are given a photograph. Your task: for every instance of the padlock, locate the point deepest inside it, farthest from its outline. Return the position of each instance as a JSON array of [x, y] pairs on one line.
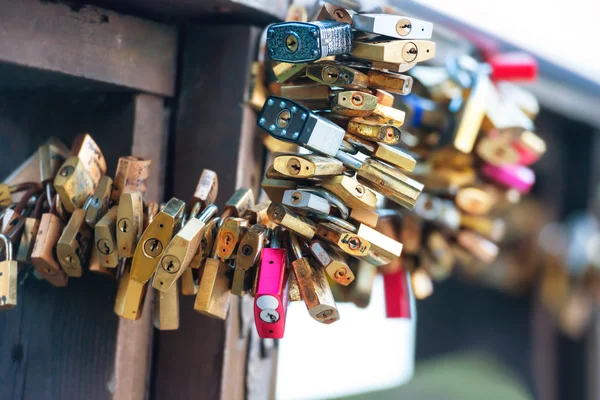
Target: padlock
[[310, 95], [166, 309], [376, 131], [155, 239], [347, 241], [271, 294], [395, 26], [352, 193], [100, 201], [333, 261], [74, 184], [129, 301], [394, 51], [213, 296], [287, 120], [96, 266], [335, 74], [353, 103], [52, 155], [296, 223], [180, 250], [383, 152], [9, 270], [232, 230], [386, 180], [131, 176], [300, 42], [106, 240], [314, 287], [92, 159], [207, 189], [72, 249], [307, 165], [130, 214], [247, 257], [398, 293], [43, 254], [333, 12]]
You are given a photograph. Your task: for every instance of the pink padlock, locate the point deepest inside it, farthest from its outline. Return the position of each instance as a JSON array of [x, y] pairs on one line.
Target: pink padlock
[[512, 176], [272, 296]]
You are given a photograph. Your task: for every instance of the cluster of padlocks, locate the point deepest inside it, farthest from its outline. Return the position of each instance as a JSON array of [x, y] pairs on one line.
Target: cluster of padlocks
[[344, 201]]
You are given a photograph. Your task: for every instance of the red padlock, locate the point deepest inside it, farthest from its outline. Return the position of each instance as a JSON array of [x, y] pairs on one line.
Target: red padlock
[[513, 67]]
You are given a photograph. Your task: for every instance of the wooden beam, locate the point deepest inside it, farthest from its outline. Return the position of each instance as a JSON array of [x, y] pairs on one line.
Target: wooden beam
[[257, 11], [215, 129], [81, 46], [133, 356]]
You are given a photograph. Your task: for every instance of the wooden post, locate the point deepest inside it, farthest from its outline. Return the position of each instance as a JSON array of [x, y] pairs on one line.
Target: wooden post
[[207, 358], [133, 357]]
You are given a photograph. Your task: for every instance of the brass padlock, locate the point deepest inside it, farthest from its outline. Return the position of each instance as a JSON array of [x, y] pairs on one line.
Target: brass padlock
[[230, 233], [131, 176], [314, 287], [336, 74], [247, 257], [96, 266], [74, 184], [43, 254], [99, 202], [286, 72], [52, 155], [383, 152], [9, 270], [352, 193], [86, 149], [213, 294], [296, 223], [355, 103], [155, 239], [333, 262], [129, 223], [207, 241], [130, 297], [189, 285], [73, 246], [349, 242], [181, 249], [106, 240], [307, 165], [166, 309]]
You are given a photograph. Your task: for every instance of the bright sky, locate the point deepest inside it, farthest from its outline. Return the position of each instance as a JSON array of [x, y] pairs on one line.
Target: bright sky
[[564, 32]]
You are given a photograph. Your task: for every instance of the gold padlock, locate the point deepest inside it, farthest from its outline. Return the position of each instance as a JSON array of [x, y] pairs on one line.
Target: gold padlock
[[155, 239], [213, 294], [100, 200], [181, 250], [74, 184], [130, 215], [73, 246], [130, 297], [166, 309], [106, 240]]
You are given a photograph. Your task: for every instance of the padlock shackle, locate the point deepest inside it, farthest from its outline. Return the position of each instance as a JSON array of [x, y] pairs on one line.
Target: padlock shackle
[[7, 246]]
